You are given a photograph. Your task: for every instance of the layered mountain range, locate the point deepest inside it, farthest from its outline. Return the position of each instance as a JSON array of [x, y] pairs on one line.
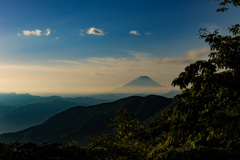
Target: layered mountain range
[[56, 119], [78, 123], [19, 111]]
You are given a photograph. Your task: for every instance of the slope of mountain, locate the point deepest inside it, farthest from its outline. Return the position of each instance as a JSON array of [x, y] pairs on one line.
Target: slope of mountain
[[78, 123], [19, 111], [4, 110], [171, 94], [32, 114], [115, 96], [156, 116]]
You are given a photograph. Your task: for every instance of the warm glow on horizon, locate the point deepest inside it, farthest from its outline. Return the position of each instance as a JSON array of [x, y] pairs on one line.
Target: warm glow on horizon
[[93, 75], [54, 47]]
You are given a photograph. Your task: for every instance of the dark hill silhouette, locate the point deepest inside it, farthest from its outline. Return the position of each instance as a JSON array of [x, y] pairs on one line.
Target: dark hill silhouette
[[78, 123]]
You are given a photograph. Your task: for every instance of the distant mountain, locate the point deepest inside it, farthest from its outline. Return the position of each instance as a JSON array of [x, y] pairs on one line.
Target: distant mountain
[[36, 109], [142, 84], [78, 123], [18, 100], [142, 81]]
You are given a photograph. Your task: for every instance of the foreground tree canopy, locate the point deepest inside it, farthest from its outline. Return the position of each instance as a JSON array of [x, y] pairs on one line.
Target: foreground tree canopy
[[205, 123]]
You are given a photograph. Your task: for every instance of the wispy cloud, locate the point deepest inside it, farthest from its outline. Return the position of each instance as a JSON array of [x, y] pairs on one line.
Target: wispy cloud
[[95, 31], [36, 32], [171, 61], [65, 61], [196, 54], [48, 32], [134, 32]]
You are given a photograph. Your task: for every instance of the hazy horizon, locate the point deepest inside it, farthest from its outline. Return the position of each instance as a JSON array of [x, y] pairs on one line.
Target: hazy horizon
[[88, 47], [139, 91]]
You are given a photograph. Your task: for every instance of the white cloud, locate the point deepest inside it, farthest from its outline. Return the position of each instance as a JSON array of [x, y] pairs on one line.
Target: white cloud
[[48, 32], [134, 32], [196, 54], [36, 32], [95, 31]]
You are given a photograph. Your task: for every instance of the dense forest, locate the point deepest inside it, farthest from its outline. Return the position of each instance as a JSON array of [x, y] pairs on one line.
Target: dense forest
[[205, 123]]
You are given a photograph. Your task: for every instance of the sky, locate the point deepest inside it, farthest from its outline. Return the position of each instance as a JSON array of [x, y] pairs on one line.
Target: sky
[[94, 46]]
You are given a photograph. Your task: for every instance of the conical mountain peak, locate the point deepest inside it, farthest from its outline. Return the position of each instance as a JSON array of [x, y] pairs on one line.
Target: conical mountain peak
[[144, 77], [142, 81]]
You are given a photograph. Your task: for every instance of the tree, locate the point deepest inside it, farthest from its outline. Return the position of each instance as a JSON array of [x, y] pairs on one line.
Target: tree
[[126, 143], [206, 124]]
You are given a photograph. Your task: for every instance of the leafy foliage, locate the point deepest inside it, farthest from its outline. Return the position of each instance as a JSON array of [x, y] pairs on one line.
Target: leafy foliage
[[224, 3], [127, 143]]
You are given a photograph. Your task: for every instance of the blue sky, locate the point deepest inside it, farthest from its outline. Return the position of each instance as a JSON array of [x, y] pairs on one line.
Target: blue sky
[[88, 46]]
